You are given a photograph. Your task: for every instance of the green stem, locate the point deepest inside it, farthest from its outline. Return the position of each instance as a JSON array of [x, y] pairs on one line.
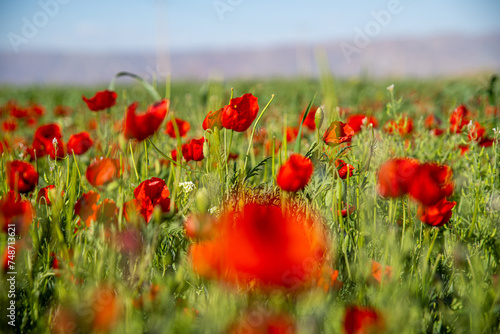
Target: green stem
[[253, 131]]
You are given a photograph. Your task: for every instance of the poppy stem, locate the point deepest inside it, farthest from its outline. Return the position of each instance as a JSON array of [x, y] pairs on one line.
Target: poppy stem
[[253, 131], [133, 161], [170, 159], [404, 224], [147, 160]]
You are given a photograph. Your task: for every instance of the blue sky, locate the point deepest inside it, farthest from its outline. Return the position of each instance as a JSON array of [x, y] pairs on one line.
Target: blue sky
[[147, 25]]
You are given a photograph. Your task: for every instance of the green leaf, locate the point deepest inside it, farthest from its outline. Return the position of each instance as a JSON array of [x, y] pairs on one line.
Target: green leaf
[[255, 171]]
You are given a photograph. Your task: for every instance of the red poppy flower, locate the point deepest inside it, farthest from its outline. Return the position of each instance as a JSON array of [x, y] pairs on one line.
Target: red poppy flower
[[431, 183], [347, 210], [343, 169], [361, 320], [309, 122], [101, 100], [295, 173], [262, 321], [79, 143], [404, 126], [48, 140], [193, 150], [182, 126], [459, 118], [22, 176], [358, 120], [213, 120], [395, 177], [45, 194], [436, 215], [151, 193], [240, 113], [141, 126], [338, 133], [15, 211], [264, 247], [103, 171]]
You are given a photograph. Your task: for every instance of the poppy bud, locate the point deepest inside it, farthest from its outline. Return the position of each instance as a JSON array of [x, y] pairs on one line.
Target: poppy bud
[[202, 200], [318, 117], [206, 150]]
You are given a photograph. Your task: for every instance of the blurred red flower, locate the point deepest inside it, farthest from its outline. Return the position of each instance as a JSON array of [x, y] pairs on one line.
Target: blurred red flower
[[22, 177], [404, 126], [431, 184], [362, 320], [45, 194], [291, 133], [15, 211], [239, 114], [107, 309], [358, 120], [141, 126], [213, 120], [182, 126], [309, 122], [200, 226], [295, 173], [437, 214], [343, 169], [103, 171], [459, 118], [328, 279], [264, 247], [9, 125], [62, 111], [379, 272], [88, 209], [262, 321], [338, 133], [101, 100], [395, 176], [432, 122], [79, 143]]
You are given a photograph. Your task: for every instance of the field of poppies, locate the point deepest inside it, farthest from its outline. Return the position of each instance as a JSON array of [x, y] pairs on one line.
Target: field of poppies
[[283, 206]]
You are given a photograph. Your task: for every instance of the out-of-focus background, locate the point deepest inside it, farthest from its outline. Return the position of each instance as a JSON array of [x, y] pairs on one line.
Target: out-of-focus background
[[87, 42]]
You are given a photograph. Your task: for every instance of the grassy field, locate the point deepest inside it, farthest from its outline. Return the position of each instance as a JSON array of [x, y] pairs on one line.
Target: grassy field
[[80, 268]]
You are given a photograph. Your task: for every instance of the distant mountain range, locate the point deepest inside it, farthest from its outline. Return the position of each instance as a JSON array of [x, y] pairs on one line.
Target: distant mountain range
[[417, 57]]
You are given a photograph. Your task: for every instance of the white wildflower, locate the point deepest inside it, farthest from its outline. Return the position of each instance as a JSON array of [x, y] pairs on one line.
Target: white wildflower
[[214, 211], [390, 88], [187, 186]]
